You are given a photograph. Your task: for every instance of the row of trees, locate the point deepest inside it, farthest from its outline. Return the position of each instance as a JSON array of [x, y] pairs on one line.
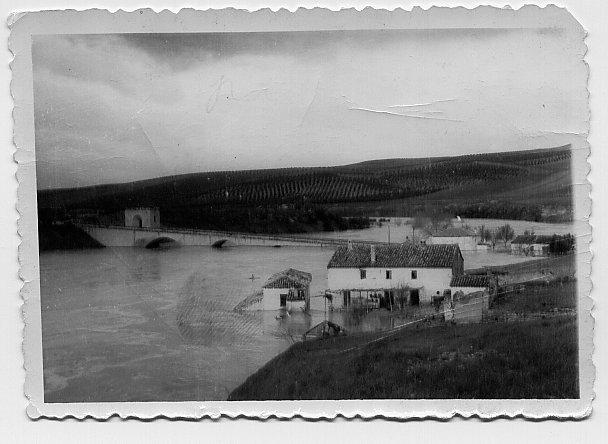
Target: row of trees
[[504, 233], [558, 245]]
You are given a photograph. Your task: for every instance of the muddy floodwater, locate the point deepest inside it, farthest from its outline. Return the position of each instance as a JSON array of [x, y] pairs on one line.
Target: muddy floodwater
[[130, 324]]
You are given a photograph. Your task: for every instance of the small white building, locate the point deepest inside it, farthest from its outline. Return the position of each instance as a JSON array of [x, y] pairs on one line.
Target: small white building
[[142, 217], [531, 245], [288, 289], [465, 238], [470, 283], [391, 275]]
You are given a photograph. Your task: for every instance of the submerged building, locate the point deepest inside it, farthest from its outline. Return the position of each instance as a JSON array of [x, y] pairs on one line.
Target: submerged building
[[288, 289], [392, 275]]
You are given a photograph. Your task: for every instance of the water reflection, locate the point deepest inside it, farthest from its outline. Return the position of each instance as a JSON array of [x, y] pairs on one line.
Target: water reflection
[[144, 266], [160, 324], [203, 318]]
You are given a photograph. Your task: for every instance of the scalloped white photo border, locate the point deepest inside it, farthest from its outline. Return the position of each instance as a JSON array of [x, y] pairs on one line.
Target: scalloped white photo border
[[24, 25]]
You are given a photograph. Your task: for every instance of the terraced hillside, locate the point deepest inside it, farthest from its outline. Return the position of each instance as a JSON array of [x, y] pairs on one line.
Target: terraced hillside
[[521, 185]]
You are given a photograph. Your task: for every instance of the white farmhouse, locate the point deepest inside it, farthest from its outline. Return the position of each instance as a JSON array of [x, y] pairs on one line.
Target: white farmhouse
[[288, 289], [391, 275], [465, 238]]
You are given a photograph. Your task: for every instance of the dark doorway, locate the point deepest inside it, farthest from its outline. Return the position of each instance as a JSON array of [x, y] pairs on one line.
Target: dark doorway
[[346, 295], [283, 300], [414, 297], [137, 222]]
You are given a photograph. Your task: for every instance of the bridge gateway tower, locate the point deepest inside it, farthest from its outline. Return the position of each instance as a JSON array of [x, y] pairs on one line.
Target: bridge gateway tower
[[142, 217]]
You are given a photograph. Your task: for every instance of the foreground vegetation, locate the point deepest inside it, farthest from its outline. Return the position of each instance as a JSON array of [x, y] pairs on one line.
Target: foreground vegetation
[[511, 360], [527, 348], [527, 185]]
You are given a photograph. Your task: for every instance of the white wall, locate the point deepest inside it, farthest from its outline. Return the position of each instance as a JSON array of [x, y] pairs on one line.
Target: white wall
[[430, 279], [466, 243], [272, 300], [467, 290]]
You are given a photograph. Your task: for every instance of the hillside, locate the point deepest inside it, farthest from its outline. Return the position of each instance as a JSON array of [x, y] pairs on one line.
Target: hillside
[[521, 185]]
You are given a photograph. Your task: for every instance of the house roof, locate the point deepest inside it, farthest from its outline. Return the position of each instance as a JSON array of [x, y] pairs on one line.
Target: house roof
[[532, 239], [454, 232], [470, 280], [289, 278], [396, 256]]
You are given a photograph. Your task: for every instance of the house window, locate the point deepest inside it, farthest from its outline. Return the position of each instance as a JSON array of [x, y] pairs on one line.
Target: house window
[[389, 274], [414, 274], [363, 274]]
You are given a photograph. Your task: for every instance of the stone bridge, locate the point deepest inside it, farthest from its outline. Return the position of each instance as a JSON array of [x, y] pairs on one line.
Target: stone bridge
[[119, 236]]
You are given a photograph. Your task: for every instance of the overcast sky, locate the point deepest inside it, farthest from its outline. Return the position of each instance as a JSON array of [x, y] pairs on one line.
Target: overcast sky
[[118, 108]]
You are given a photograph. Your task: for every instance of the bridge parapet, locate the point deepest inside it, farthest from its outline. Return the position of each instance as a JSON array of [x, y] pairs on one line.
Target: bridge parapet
[[116, 236]]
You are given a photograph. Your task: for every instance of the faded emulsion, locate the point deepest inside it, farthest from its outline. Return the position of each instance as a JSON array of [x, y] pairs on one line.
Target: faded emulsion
[[346, 214]]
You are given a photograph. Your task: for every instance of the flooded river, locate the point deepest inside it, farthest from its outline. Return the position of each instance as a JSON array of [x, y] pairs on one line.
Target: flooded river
[[130, 324], [397, 229], [125, 324]]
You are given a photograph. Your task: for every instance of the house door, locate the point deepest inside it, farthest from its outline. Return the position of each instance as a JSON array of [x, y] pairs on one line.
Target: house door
[[414, 297], [346, 295], [283, 300], [388, 300]]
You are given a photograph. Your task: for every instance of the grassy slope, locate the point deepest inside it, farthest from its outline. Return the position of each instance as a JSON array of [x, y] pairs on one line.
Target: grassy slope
[[527, 359]]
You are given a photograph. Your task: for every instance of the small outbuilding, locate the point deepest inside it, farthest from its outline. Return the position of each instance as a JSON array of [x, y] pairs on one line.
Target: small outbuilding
[[288, 289], [465, 238], [470, 283]]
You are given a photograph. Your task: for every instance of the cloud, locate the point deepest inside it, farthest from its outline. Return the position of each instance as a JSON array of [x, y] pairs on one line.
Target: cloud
[[116, 108]]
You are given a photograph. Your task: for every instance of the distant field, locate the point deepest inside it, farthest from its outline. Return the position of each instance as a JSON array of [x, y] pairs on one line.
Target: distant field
[[530, 185]]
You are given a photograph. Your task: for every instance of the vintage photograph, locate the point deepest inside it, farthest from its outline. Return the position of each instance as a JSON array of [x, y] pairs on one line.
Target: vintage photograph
[[329, 214]]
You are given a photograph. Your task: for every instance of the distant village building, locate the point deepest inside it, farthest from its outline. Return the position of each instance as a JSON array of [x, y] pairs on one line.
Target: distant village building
[[391, 275], [465, 238], [288, 289], [142, 217], [531, 245]]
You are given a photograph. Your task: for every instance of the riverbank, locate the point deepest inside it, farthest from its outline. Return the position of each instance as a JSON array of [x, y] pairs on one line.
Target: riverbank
[[64, 237], [524, 359], [528, 350]]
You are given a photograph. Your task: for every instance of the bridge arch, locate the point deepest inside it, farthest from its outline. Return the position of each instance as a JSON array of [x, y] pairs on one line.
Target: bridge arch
[[162, 242], [220, 243]]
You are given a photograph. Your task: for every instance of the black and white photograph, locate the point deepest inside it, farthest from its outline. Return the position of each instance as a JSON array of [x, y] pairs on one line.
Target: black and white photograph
[[339, 213]]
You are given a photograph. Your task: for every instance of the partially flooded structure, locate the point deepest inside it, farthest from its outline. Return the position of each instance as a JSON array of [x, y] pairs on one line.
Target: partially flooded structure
[[289, 289], [391, 275]]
